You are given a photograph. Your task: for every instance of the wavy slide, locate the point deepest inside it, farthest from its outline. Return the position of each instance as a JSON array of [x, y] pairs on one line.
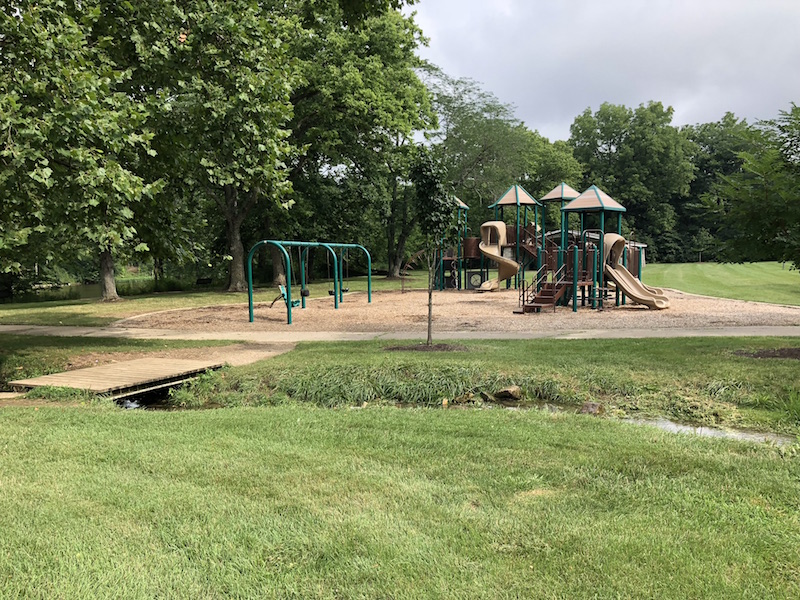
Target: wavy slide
[[635, 289], [506, 267], [614, 246]]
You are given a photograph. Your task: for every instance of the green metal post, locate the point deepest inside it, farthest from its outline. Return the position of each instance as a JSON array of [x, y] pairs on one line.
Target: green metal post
[[639, 264], [593, 295], [463, 281], [601, 268], [516, 242], [341, 276], [303, 255], [574, 278], [624, 264]]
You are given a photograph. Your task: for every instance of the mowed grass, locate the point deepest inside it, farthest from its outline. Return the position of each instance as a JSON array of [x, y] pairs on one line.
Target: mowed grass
[[94, 313], [303, 502], [763, 282]]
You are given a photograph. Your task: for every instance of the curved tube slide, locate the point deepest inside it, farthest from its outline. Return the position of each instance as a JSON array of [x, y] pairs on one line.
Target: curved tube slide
[[506, 267]]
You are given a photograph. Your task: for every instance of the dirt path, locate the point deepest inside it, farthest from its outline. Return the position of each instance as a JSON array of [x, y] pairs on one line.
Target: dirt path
[[467, 311]]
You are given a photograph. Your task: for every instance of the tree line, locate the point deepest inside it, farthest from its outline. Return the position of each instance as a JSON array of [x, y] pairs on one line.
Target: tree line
[[177, 133]]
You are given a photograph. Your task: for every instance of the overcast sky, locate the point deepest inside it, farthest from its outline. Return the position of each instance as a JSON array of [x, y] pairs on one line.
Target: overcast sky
[[552, 59]]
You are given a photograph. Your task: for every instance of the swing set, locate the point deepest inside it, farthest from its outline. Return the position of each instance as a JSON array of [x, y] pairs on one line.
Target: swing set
[[336, 253]]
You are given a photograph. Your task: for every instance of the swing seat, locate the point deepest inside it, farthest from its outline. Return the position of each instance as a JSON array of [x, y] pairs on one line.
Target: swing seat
[[282, 289]]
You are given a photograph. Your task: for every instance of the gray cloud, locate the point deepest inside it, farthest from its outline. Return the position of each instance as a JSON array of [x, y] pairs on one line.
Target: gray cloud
[[554, 59]]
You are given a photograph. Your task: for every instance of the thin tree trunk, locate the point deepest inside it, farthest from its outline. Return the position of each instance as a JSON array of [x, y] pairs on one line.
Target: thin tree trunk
[[108, 286]]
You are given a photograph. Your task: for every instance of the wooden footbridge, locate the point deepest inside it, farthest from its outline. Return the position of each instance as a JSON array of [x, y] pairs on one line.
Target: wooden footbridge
[[124, 379]]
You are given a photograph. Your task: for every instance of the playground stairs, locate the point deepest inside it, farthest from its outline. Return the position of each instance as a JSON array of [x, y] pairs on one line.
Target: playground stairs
[[550, 291], [547, 297]]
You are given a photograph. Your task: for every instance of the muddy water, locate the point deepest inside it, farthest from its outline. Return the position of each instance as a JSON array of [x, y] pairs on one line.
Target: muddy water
[[733, 434]]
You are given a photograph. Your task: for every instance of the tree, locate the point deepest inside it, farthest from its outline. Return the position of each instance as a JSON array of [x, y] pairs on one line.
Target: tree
[[480, 144], [718, 148], [219, 83], [72, 141], [760, 202], [484, 148], [643, 161], [356, 115], [434, 209]]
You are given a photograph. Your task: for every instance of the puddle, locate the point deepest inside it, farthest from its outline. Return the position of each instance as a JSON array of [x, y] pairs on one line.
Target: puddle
[[731, 434]]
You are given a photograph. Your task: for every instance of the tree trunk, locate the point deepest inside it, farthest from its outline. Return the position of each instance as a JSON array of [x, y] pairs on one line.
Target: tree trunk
[[394, 264], [398, 228], [108, 287], [236, 277], [158, 270], [234, 216], [278, 268]]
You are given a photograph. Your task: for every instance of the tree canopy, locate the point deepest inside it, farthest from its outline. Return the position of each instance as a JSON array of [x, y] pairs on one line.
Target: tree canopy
[[642, 161], [183, 131]]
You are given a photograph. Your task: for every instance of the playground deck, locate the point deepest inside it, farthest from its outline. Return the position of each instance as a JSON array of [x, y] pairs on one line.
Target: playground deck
[[124, 379]]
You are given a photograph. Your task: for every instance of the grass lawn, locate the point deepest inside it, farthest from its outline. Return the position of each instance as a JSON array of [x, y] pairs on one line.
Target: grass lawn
[[763, 282], [303, 502], [94, 313], [296, 499]]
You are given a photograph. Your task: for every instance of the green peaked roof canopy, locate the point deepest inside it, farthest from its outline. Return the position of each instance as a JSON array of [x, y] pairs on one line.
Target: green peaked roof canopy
[[516, 196], [561, 192], [460, 204], [594, 200]]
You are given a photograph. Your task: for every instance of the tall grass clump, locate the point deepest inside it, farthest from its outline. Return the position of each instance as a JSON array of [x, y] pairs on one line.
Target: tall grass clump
[[335, 385]]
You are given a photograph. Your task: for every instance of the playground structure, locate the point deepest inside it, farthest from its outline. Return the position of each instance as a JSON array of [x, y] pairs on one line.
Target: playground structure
[[549, 268], [334, 250], [466, 266], [553, 267], [506, 267]]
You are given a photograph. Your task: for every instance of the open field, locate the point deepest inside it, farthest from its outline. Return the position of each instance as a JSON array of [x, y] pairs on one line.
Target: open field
[[762, 282], [93, 313], [298, 502], [278, 497]]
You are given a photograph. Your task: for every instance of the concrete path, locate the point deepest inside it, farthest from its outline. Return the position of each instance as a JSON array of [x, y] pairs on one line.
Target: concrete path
[[290, 336]]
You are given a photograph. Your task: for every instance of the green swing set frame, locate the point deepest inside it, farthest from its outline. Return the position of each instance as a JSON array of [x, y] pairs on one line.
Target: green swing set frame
[[338, 271]]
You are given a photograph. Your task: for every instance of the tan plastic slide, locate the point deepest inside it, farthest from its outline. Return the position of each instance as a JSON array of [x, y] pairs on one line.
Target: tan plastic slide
[[633, 288], [506, 267]]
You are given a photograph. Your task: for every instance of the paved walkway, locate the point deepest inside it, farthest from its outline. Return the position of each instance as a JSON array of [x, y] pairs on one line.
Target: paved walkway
[[290, 336]]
